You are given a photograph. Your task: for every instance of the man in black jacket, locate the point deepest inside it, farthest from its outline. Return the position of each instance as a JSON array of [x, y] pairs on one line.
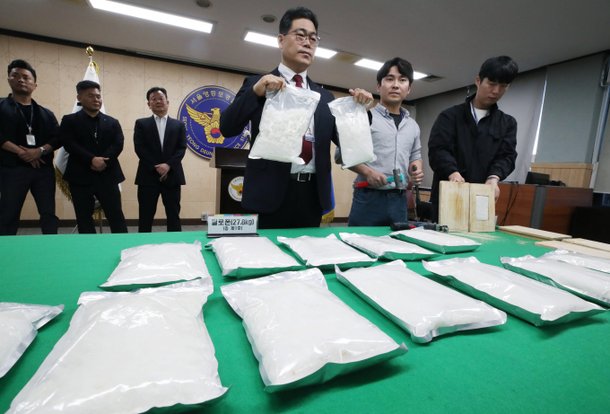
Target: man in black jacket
[[289, 195], [28, 137], [475, 142], [94, 141], [160, 143]]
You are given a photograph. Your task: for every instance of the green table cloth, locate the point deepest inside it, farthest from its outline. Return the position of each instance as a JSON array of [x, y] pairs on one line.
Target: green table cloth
[[513, 368]]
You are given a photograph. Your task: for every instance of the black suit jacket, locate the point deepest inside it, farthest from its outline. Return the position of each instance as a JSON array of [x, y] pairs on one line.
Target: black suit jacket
[[148, 148], [266, 182], [76, 134], [13, 128]]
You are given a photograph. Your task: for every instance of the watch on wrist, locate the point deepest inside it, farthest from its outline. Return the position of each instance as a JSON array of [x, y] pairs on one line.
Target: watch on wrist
[[43, 151]]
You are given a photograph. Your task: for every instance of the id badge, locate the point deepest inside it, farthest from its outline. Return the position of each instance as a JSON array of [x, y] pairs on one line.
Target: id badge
[[31, 139]]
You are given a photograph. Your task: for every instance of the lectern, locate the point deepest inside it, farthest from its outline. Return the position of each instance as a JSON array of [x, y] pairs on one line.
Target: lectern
[[231, 165]]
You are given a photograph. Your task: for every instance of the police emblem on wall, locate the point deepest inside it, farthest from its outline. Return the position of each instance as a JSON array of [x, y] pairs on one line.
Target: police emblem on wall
[[200, 112]]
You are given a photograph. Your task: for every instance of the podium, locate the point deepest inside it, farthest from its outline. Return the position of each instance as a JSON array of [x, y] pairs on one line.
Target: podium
[[231, 165]]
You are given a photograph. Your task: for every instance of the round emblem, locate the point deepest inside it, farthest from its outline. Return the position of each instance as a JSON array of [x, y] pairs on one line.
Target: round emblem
[[200, 111], [236, 188]]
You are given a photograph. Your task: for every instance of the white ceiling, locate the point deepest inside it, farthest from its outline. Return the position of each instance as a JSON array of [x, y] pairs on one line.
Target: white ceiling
[[446, 38]]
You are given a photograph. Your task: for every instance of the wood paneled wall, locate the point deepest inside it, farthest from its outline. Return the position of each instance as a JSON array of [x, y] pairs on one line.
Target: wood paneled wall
[[125, 80], [573, 174]]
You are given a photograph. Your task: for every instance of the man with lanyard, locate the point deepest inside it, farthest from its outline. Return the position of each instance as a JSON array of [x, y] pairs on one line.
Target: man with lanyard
[[28, 137], [288, 195], [94, 141], [476, 142], [378, 199]]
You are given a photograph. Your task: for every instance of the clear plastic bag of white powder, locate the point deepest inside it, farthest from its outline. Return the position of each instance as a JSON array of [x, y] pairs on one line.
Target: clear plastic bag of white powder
[[326, 252], [589, 284], [129, 353], [422, 307], [353, 130], [303, 334], [19, 324], [528, 299], [251, 256], [158, 264], [285, 119], [386, 247]]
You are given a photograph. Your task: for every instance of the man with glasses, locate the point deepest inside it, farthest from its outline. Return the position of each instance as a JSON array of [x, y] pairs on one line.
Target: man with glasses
[[28, 137], [289, 195], [476, 142]]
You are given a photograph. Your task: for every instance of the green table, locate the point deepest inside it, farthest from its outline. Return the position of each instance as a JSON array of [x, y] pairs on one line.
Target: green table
[[508, 369]]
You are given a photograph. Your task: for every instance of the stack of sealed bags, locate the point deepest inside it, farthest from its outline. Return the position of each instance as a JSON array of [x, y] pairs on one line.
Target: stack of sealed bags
[[299, 331]]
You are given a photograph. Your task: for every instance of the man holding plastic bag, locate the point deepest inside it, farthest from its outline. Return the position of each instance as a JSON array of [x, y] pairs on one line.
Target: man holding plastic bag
[[288, 176], [380, 187]]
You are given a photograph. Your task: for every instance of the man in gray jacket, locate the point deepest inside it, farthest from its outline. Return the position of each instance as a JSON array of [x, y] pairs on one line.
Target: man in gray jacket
[[377, 199]]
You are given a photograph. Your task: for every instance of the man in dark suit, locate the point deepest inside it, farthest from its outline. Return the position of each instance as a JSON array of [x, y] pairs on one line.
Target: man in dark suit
[[28, 137], [289, 195], [94, 141], [160, 143]]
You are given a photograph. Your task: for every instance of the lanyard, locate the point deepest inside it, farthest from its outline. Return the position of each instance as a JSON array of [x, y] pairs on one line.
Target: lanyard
[[25, 119]]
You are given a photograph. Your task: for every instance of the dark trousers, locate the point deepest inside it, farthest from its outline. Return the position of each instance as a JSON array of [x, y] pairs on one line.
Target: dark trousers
[[15, 182], [300, 208], [109, 196], [377, 207], [148, 195]]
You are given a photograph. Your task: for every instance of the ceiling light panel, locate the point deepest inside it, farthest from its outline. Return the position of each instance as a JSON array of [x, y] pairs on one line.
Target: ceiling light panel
[[152, 15]]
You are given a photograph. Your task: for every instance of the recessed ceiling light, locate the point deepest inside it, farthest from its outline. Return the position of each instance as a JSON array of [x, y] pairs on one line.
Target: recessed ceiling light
[[268, 18], [266, 40], [204, 3], [152, 15], [376, 65]]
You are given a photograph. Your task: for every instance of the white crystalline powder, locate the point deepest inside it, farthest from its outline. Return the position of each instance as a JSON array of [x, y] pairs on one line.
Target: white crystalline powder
[[324, 251], [128, 353], [423, 307], [586, 282], [159, 263], [525, 293], [285, 119], [237, 254], [18, 327], [353, 130], [281, 134], [296, 326], [382, 245]]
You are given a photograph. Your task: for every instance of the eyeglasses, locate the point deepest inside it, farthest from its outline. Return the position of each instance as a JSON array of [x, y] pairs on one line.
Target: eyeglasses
[[301, 36]]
